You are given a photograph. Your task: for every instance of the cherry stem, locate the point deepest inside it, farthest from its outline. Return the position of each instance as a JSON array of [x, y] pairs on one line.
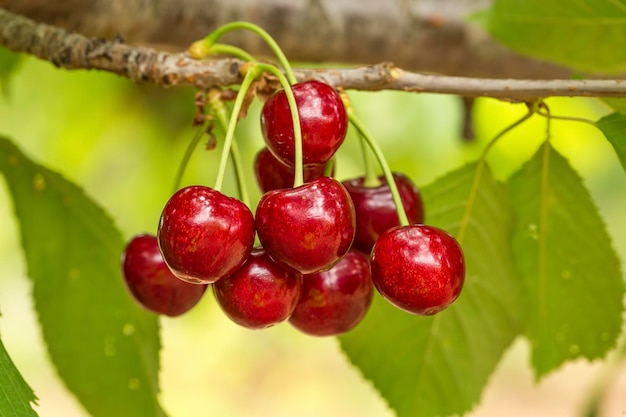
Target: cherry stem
[[250, 76], [367, 138], [371, 179], [208, 42], [221, 48], [187, 155], [328, 169], [218, 107], [547, 114], [295, 118], [469, 205]]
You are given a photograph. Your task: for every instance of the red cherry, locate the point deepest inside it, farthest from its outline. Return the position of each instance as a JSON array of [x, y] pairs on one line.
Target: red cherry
[[323, 121], [308, 228], [150, 281], [272, 174], [418, 268], [376, 211], [335, 301], [260, 294], [204, 235]]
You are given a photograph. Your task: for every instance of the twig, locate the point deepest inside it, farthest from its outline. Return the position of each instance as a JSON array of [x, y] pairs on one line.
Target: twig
[[146, 65]]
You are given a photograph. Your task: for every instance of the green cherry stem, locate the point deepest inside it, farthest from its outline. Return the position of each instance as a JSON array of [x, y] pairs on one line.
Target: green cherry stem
[[188, 152], [251, 74], [371, 179], [218, 108], [367, 138], [295, 117], [469, 205], [221, 48], [209, 41]]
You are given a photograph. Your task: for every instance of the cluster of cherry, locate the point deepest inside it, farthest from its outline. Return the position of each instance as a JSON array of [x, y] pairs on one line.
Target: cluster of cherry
[[324, 244]]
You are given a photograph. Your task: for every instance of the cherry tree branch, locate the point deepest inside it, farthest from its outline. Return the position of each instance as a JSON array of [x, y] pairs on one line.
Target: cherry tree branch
[[146, 65], [432, 36]]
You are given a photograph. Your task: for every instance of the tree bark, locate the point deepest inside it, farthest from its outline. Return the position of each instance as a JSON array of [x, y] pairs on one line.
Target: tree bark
[[141, 64], [431, 36]]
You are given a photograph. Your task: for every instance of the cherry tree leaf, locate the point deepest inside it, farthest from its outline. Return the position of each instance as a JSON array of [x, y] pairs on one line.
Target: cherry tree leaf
[[614, 128], [439, 365], [15, 394], [582, 34], [572, 279], [9, 62], [617, 104], [104, 347]]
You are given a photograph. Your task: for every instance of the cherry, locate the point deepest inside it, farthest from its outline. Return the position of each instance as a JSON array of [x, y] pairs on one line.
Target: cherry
[[308, 228], [150, 281], [418, 268], [335, 301], [272, 174], [323, 121], [376, 211], [204, 235], [259, 294]]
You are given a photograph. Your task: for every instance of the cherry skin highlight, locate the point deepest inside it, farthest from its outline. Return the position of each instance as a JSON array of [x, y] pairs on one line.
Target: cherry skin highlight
[[419, 269], [323, 121], [334, 301], [151, 282], [260, 294], [272, 174], [376, 211], [308, 228], [204, 235]]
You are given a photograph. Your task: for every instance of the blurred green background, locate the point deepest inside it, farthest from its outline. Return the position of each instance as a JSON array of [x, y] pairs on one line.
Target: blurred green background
[[123, 143]]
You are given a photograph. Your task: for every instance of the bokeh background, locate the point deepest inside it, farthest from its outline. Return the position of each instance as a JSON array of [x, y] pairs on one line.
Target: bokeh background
[[123, 143]]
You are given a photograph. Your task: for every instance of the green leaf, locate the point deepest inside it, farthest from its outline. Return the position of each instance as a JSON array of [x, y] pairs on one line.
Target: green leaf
[[15, 394], [439, 365], [617, 104], [614, 128], [104, 347], [585, 35], [9, 62], [573, 283]]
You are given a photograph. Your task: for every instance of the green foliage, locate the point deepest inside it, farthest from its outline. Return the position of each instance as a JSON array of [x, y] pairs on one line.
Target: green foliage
[[104, 347], [582, 34], [571, 274], [540, 263], [9, 62], [614, 128], [430, 366], [15, 394]]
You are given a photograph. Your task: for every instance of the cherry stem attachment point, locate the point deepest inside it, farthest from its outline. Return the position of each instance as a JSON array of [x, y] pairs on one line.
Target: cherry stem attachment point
[[367, 138], [209, 41]]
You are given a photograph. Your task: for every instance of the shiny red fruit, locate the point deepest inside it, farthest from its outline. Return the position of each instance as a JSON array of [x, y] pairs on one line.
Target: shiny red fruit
[[272, 174], [151, 282], [204, 235], [375, 210], [308, 228], [260, 294], [323, 121], [335, 301], [418, 268]]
